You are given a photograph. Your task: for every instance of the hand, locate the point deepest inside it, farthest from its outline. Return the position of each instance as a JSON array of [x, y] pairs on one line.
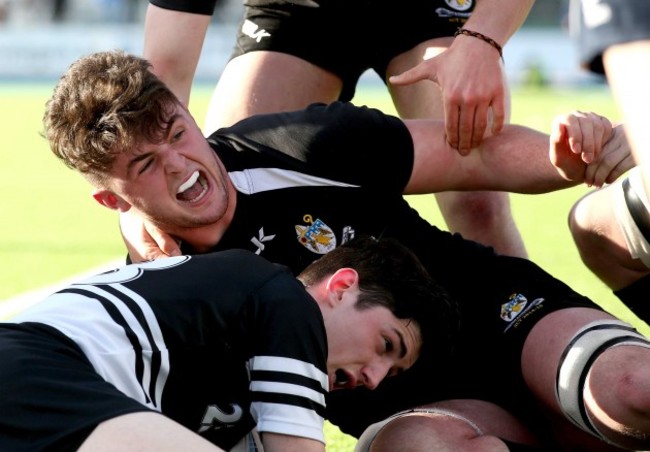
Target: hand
[[472, 81], [585, 147], [145, 242]]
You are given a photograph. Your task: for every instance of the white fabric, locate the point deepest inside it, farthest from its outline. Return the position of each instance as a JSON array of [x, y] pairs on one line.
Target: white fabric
[[637, 245]]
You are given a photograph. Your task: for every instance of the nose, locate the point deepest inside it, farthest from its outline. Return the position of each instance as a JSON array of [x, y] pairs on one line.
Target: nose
[[173, 161], [374, 373]]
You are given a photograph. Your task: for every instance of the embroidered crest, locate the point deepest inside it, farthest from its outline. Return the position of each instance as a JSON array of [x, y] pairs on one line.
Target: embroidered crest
[[316, 236], [510, 310], [460, 5]]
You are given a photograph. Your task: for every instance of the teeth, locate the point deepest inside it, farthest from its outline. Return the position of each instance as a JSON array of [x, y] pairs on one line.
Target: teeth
[[191, 181], [341, 377]]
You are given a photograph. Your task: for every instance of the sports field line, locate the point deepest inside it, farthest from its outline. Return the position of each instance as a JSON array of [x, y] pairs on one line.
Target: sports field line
[[13, 305]]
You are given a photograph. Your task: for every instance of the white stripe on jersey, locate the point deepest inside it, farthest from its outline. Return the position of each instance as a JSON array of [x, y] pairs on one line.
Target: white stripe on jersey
[[288, 388], [289, 365], [158, 343], [288, 420], [257, 180], [106, 344]]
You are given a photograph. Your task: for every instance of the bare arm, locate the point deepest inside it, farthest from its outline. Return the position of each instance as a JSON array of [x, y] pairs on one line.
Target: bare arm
[[470, 73], [499, 19], [172, 43], [517, 159], [274, 442]]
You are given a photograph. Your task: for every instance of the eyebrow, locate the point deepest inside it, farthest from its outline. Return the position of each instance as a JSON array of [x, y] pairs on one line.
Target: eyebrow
[[135, 160], [141, 157]]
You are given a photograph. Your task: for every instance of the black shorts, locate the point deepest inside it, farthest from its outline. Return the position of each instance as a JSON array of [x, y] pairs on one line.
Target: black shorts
[[599, 25], [347, 37], [51, 398]]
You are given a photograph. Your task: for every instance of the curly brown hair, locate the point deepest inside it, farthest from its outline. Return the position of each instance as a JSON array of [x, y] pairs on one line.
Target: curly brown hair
[[106, 103]]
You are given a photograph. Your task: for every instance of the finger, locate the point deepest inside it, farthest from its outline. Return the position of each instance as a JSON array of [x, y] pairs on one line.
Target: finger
[[166, 245], [451, 124], [594, 147], [575, 131], [623, 167], [480, 124], [607, 168], [413, 75], [558, 142], [465, 128], [498, 113], [596, 174]]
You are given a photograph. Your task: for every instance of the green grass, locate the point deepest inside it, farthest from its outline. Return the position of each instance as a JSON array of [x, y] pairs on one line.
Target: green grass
[[52, 228]]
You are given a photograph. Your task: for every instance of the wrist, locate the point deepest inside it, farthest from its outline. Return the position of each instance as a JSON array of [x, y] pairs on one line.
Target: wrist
[[482, 37]]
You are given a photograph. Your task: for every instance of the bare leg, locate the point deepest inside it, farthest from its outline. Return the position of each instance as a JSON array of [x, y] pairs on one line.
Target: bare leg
[[617, 389], [628, 71], [266, 82], [600, 240], [453, 425], [481, 216]]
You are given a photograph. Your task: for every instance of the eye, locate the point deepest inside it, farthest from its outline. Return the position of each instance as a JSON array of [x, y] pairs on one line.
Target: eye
[[178, 135], [146, 165], [388, 345]]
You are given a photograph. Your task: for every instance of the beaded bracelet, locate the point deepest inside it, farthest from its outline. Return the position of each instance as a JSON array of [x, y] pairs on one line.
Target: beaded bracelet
[[476, 34]]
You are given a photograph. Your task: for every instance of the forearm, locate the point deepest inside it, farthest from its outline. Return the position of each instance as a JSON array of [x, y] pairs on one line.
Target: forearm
[[514, 160], [499, 19], [274, 442], [172, 43]]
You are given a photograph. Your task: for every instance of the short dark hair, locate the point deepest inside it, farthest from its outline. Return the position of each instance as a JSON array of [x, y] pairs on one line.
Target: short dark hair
[[390, 275], [105, 103]]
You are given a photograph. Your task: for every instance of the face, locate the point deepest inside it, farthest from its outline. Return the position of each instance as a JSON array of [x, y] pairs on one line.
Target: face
[[367, 345], [178, 184]]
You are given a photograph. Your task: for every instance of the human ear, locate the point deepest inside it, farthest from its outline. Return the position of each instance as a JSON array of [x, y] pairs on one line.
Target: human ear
[[109, 199], [340, 282]]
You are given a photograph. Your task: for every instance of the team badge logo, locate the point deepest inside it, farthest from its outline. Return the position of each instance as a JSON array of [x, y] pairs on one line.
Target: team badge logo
[[316, 236], [460, 5], [515, 305]]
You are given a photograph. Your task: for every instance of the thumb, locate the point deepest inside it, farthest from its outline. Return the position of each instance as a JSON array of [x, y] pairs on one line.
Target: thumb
[[412, 75], [559, 142]]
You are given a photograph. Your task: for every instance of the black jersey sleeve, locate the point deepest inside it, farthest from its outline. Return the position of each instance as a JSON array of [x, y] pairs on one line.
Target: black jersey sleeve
[[353, 144], [204, 7]]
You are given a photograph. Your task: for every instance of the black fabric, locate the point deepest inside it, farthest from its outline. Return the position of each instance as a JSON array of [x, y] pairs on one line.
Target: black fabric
[[635, 297], [204, 7], [518, 447], [347, 37]]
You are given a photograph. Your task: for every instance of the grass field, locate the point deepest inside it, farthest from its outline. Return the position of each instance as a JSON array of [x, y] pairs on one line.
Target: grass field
[[52, 228]]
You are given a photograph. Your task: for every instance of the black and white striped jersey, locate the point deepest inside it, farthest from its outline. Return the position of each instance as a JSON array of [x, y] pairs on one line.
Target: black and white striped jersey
[[219, 342]]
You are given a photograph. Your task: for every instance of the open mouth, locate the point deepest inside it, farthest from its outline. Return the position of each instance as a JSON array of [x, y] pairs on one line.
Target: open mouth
[[193, 189], [343, 379]]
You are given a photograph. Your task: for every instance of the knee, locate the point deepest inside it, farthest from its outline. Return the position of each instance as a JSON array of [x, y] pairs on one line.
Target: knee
[[482, 207], [619, 388], [583, 225], [423, 433]]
